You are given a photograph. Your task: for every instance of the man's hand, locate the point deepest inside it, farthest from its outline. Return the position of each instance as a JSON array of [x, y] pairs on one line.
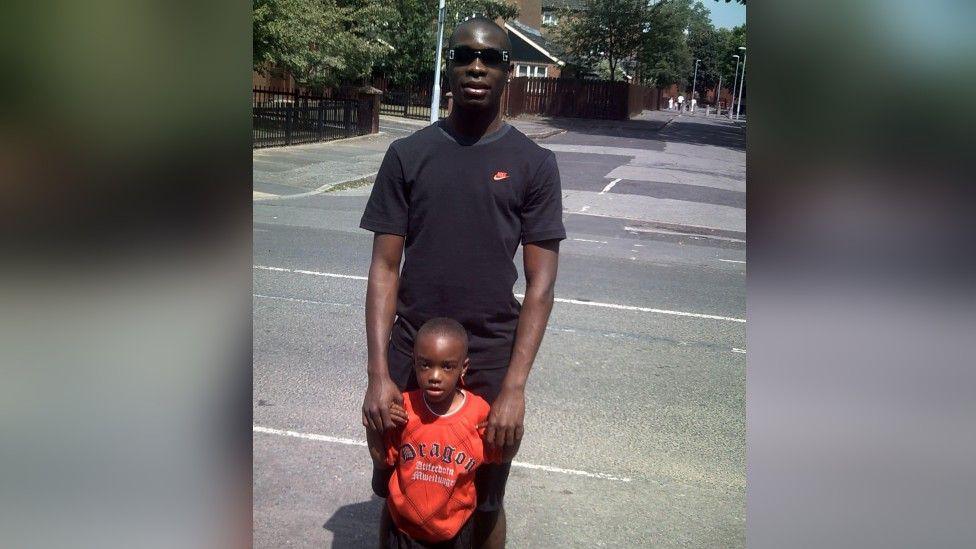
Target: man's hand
[[381, 393], [505, 421]]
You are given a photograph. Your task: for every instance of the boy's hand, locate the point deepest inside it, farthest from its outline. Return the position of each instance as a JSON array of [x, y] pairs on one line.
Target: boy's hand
[[398, 414]]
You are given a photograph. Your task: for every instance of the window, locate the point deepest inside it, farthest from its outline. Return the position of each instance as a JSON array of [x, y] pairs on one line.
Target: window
[[531, 70], [549, 18]]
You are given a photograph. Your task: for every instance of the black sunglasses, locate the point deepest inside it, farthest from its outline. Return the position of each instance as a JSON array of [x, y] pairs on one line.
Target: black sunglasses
[[465, 55]]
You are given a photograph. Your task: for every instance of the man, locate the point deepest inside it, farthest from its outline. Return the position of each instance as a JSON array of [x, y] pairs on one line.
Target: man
[[454, 200]]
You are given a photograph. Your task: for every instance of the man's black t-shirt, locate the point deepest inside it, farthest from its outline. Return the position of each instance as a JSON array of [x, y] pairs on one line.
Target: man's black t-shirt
[[463, 208]]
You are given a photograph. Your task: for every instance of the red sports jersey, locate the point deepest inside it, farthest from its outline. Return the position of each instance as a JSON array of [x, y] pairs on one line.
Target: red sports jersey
[[434, 458]]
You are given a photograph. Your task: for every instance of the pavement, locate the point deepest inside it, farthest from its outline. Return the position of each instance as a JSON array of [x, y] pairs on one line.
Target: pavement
[[683, 173], [635, 414]]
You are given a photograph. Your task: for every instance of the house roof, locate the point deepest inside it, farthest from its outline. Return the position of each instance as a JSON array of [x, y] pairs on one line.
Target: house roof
[[563, 4], [528, 44]]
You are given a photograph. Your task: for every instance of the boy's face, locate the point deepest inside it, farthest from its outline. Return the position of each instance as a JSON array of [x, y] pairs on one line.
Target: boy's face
[[439, 362]]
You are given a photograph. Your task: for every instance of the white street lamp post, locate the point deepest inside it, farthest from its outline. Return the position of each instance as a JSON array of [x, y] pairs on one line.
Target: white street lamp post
[[742, 82], [694, 81], [435, 95], [735, 82], [718, 96]]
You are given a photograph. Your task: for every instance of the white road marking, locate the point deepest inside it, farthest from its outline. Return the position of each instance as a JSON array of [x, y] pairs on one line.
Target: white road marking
[[644, 309], [676, 233], [353, 442], [737, 350], [587, 240], [259, 194], [296, 300], [732, 261], [313, 273], [609, 186], [309, 436], [558, 299]]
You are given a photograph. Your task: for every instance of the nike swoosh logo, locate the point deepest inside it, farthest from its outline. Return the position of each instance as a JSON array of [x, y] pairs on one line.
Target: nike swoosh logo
[[500, 175]]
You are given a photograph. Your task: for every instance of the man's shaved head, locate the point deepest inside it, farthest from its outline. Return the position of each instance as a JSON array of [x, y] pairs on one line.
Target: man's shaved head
[[481, 25]]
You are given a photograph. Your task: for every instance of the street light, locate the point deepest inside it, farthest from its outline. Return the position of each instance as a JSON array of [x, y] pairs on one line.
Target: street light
[[435, 95], [742, 82], [735, 81], [694, 81]]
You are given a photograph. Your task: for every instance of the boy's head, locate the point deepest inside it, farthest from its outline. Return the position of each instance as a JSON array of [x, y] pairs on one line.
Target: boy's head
[[440, 357]]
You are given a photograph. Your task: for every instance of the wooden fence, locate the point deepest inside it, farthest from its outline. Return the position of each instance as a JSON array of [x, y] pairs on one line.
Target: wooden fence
[[578, 98], [282, 117], [531, 95]]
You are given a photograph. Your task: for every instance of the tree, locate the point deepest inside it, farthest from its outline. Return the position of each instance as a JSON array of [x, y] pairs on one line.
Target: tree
[[319, 42], [414, 32], [706, 44], [665, 57], [603, 30]]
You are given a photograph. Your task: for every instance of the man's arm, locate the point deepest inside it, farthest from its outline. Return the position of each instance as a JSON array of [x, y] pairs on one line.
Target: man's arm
[[508, 411], [381, 292]]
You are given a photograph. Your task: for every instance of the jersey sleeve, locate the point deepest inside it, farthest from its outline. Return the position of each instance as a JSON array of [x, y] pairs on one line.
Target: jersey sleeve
[[542, 209], [392, 440], [386, 210]]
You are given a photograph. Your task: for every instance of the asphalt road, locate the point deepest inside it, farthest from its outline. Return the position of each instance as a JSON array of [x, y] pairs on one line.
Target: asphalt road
[[635, 425]]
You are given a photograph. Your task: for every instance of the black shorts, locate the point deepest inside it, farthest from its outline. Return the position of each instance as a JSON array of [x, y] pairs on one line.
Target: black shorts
[[394, 538], [490, 478]]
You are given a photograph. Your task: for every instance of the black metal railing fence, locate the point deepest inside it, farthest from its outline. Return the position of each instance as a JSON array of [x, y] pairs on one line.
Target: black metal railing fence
[[282, 117]]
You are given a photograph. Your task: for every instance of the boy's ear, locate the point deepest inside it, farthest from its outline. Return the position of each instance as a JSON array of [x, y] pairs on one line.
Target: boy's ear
[[464, 365]]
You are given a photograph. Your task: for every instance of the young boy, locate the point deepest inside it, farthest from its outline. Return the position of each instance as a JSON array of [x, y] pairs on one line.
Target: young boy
[[430, 459]]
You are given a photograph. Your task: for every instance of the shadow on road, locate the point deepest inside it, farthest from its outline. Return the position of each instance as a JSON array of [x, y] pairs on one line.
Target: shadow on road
[[356, 525], [687, 130], [638, 129], [683, 130]]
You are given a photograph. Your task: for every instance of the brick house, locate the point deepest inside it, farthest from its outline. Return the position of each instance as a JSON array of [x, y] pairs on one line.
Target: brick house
[[533, 54]]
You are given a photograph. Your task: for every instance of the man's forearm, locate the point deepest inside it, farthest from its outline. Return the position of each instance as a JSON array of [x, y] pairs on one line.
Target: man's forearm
[[528, 336], [381, 291]]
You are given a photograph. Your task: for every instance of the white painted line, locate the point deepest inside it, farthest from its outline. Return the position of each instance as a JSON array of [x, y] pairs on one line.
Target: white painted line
[[732, 261], [558, 299], [609, 186], [296, 300], [586, 240], [259, 194], [353, 442], [551, 469], [309, 436], [676, 233], [313, 273], [737, 350], [644, 309]]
